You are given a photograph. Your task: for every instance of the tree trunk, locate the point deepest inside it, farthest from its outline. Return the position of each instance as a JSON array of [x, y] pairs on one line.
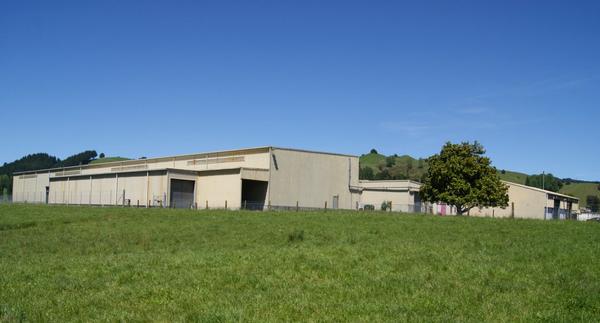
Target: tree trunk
[[459, 210]]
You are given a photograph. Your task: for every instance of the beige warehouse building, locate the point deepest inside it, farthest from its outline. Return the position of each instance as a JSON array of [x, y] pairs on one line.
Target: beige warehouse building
[[252, 178], [533, 203], [257, 178], [524, 201], [403, 195]]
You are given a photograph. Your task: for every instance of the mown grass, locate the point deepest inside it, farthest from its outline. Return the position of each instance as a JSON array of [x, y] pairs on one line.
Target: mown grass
[[110, 264]]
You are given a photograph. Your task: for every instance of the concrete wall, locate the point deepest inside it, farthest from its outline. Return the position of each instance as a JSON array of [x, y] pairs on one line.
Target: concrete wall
[[107, 189], [529, 203], [218, 187], [312, 178], [402, 193], [30, 188]]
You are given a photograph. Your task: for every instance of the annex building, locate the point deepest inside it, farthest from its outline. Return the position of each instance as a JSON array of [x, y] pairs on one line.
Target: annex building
[[524, 201]]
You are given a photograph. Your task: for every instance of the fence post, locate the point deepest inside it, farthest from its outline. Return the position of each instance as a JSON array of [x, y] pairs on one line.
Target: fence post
[[269, 205], [206, 207], [325, 205], [195, 205], [225, 204], [138, 204], [296, 206], [245, 204], [148, 205], [512, 210]]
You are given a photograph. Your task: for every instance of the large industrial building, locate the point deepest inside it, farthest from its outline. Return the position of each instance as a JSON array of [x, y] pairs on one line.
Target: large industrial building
[[251, 178], [257, 178]]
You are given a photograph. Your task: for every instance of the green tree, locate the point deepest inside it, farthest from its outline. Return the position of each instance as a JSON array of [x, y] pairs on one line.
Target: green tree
[[545, 181], [390, 161], [593, 202], [409, 168], [461, 176], [83, 158], [102, 155], [374, 151], [383, 175], [5, 183], [366, 173]]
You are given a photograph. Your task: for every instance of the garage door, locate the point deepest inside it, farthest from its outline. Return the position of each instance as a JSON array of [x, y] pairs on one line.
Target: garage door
[[182, 193]]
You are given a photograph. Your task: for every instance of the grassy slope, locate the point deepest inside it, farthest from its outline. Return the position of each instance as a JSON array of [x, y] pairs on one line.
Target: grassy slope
[[372, 160], [401, 165], [107, 160], [109, 264], [514, 177], [581, 190]]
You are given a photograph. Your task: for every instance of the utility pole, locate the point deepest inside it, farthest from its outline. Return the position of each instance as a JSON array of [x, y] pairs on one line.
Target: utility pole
[[543, 180]]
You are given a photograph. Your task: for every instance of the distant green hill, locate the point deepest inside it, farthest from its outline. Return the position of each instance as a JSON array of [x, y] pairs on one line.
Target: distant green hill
[[511, 176], [581, 190], [394, 166], [407, 167], [107, 160]]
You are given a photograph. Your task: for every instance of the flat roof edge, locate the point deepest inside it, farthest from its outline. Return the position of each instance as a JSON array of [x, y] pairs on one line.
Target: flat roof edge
[[130, 161], [313, 151], [541, 190]]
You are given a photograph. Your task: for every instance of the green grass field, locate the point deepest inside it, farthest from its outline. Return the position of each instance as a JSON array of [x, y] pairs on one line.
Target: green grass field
[[116, 264]]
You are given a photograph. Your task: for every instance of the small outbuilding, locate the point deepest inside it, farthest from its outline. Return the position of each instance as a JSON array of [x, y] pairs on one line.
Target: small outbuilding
[[533, 203]]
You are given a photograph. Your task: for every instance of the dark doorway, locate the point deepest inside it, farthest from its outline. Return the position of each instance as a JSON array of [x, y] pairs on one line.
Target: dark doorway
[[556, 210], [254, 194], [182, 193], [47, 194]]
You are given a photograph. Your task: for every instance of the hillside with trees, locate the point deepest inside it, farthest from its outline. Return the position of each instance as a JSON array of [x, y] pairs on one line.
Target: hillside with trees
[[40, 161], [376, 166]]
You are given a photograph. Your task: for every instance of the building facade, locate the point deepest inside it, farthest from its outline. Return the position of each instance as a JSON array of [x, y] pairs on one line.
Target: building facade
[[533, 203], [258, 178], [251, 178]]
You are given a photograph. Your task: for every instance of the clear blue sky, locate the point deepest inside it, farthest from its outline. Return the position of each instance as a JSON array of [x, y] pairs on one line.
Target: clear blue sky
[[154, 78]]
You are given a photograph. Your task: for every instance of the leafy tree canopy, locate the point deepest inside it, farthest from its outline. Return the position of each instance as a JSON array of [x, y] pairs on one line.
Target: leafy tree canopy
[[83, 158], [461, 176], [40, 161], [544, 181], [366, 173], [593, 202]]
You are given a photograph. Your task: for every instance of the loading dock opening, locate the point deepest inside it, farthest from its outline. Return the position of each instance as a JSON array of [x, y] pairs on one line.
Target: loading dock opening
[[182, 193], [254, 194]]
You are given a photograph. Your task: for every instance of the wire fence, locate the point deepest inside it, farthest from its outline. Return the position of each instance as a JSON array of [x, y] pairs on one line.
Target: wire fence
[[120, 198], [5, 199]]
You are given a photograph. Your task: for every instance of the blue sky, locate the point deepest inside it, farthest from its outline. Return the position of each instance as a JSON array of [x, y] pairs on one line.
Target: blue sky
[[154, 78]]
